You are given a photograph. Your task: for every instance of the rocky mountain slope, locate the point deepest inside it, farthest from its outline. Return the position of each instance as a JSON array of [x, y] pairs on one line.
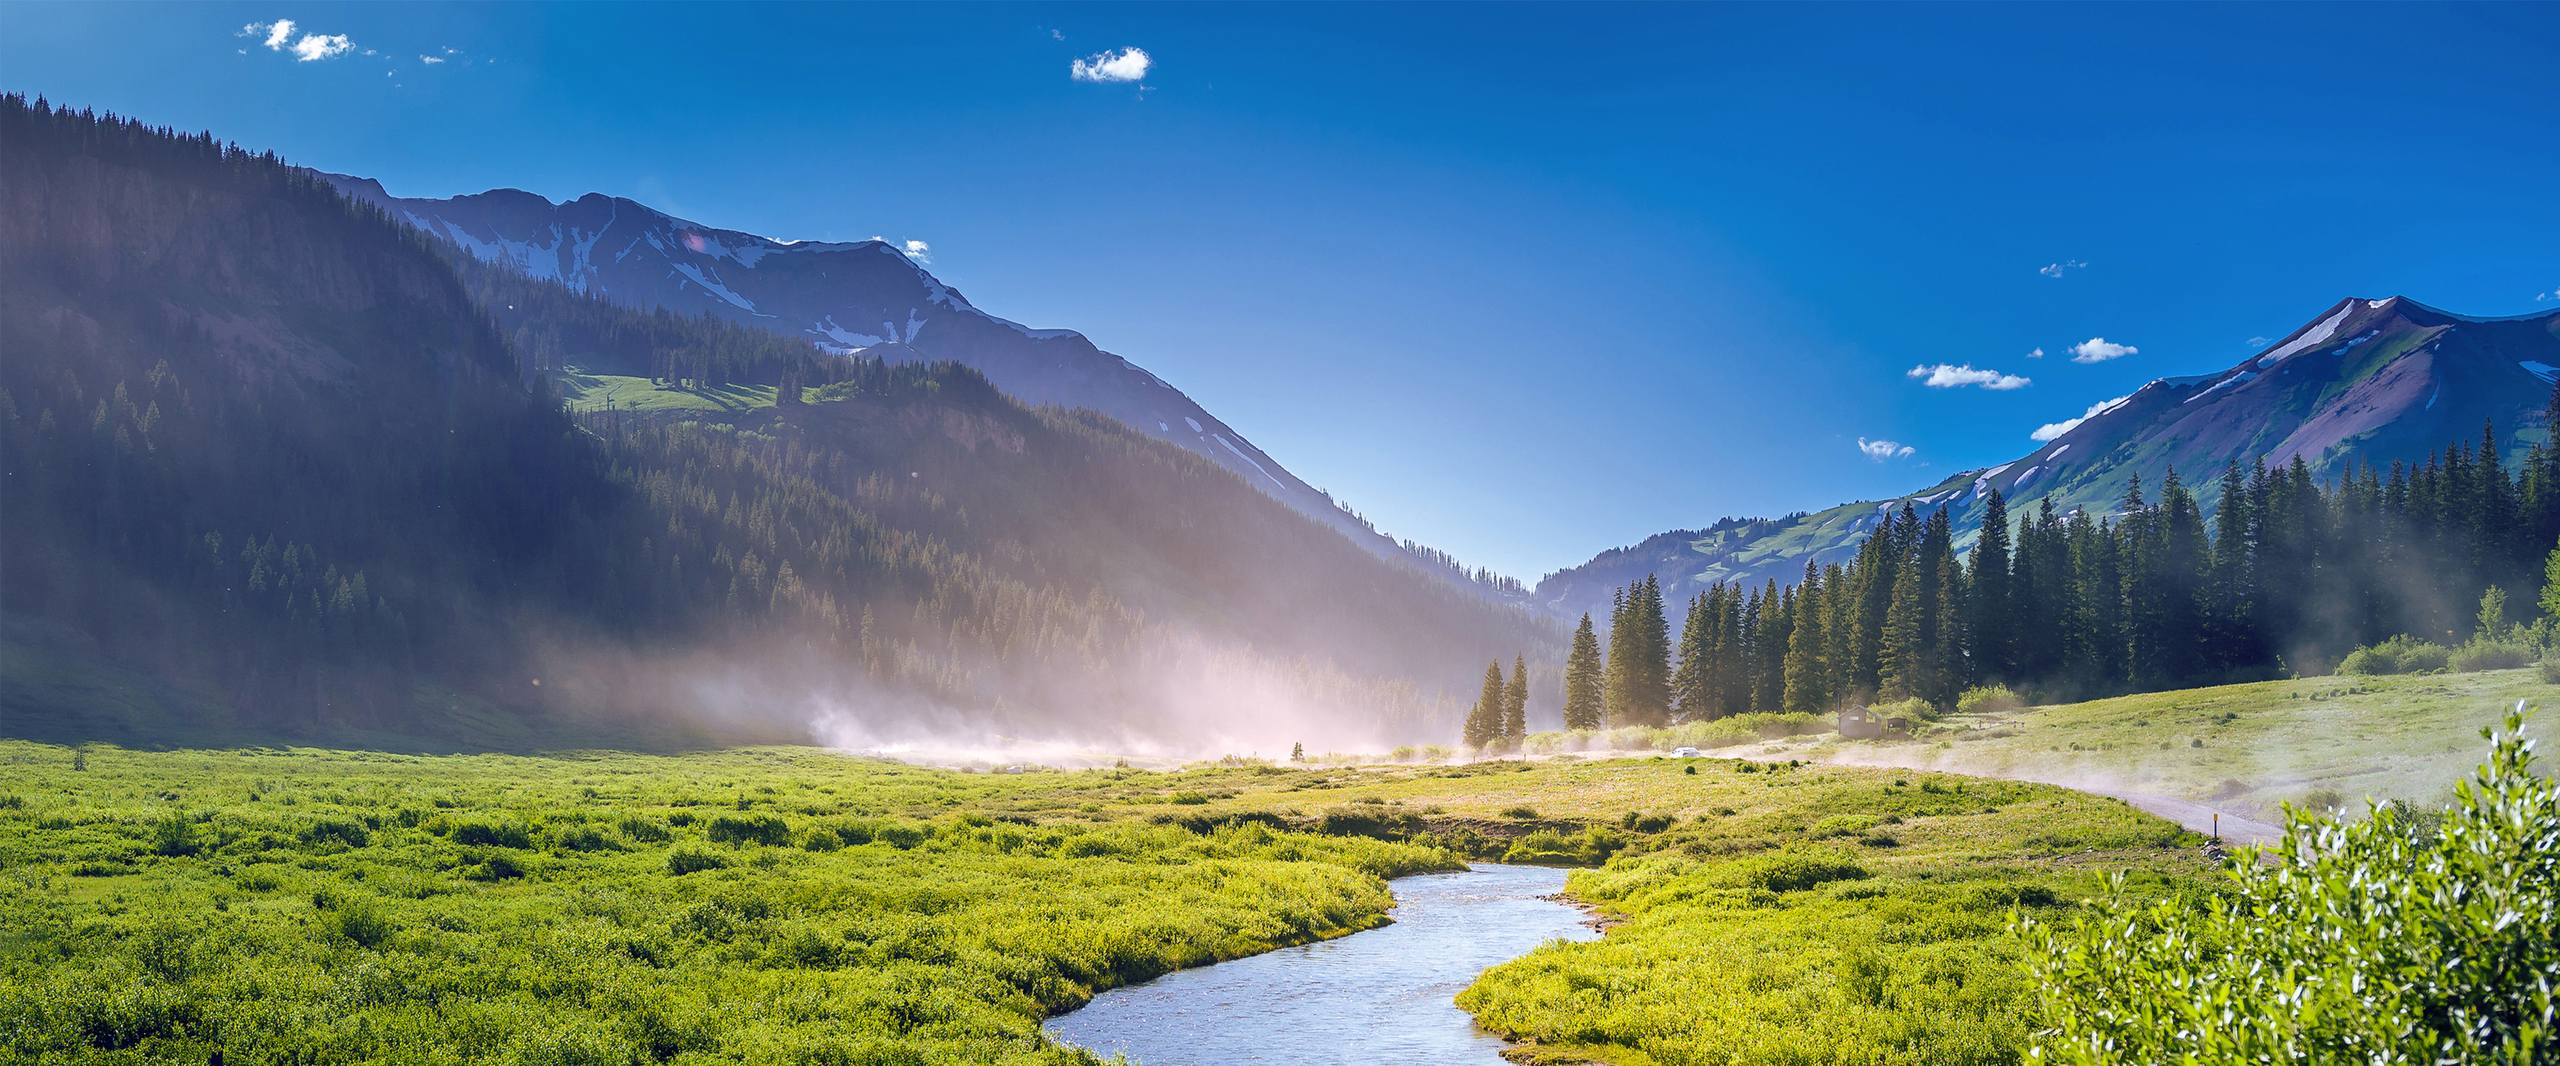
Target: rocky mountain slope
[[2365, 381]]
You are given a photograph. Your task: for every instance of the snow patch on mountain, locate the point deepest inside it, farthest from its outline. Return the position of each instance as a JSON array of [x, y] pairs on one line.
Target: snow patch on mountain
[[2240, 378], [1239, 454], [715, 288], [2319, 332]]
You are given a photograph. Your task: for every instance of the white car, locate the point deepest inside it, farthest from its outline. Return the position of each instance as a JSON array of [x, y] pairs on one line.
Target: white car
[[1684, 753]]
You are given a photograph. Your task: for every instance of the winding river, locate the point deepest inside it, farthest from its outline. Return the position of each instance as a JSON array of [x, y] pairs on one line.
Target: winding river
[[1382, 995]]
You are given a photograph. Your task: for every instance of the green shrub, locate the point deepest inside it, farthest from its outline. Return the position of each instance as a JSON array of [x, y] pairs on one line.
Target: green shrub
[[751, 829], [1914, 708], [684, 861], [2483, 654], [1988, 699], [646, 830], [1796, 869], [581, 838], [346, 831], [492, 834], [2316, 955], [360, 921], [174, 836], [2402, 654], [2551, 667]]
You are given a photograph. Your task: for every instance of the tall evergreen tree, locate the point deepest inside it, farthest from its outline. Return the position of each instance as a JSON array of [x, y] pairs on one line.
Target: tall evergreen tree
[[1484, 721], [1515, 703], [1807, 683], [1583, 706], [1994, 651]]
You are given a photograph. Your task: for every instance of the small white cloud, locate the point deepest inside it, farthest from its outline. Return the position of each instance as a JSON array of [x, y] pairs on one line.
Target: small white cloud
[[2058, 269], [2038, 353], [919, 251], [431, 60], [1127, 64], [2099, 350], [1881, 450], [1057, 35], [2260, 342], [314, 47], [1952, 376], [280, 36], [2541, 297], [2050, 430]]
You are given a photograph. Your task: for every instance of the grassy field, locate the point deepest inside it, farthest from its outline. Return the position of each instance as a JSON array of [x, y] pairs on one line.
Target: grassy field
[[592, 392], [2246, 749], [794, 905]]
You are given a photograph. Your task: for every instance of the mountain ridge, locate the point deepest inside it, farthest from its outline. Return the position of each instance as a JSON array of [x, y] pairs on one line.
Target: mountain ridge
[[2364, 380], [862, 296]]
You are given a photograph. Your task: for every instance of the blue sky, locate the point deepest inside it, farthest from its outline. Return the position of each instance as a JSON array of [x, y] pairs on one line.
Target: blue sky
[[1522, 282]]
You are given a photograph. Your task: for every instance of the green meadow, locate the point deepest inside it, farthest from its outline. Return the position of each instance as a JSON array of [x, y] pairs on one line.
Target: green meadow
[[2328, 742], [586, 391], [796, 905]]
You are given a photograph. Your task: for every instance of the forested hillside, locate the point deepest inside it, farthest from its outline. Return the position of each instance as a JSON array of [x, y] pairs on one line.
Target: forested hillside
[[869, 297], [2289, 574], [265, 442]]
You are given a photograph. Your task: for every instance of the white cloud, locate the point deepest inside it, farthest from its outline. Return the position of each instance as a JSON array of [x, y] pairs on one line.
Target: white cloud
[[318, 46], [1127, 64], [1881, 450], [1057, 35], [2038, 353], [1952, 376], [431, 60], [2050, 430], [280, 36], [2260, 342], [2099, 350], [2540, 297], [919, 251], [2057, 269]]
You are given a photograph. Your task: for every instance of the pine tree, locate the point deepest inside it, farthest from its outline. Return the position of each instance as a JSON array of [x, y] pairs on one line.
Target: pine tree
[[1806, 681], [1618, 678], [1994, 652], [1583, 706], [1651, 692], [1515, 704], [1484, 721], [1691, 683]]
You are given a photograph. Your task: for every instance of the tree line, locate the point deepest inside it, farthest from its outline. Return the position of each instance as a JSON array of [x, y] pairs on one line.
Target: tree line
[[2285, 573]]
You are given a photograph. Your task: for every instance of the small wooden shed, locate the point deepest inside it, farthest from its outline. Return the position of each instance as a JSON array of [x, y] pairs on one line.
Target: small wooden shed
[[1856, 723]]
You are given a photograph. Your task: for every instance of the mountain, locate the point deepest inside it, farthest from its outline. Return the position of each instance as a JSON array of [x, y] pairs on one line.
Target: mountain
[[2367, 381], [277, 466], [865, 297]]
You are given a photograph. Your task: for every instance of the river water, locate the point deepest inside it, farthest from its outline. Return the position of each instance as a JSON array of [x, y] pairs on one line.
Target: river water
[[1372, 997]]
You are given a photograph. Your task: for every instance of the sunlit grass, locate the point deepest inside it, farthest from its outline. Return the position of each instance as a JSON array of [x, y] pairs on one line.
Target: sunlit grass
[[795, 905]]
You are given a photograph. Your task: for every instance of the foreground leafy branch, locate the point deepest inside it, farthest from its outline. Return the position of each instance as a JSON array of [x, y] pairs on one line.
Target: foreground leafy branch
[[2409, 936]]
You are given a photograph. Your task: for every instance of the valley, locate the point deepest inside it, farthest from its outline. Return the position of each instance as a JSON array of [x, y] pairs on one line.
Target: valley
[[624, 615]]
